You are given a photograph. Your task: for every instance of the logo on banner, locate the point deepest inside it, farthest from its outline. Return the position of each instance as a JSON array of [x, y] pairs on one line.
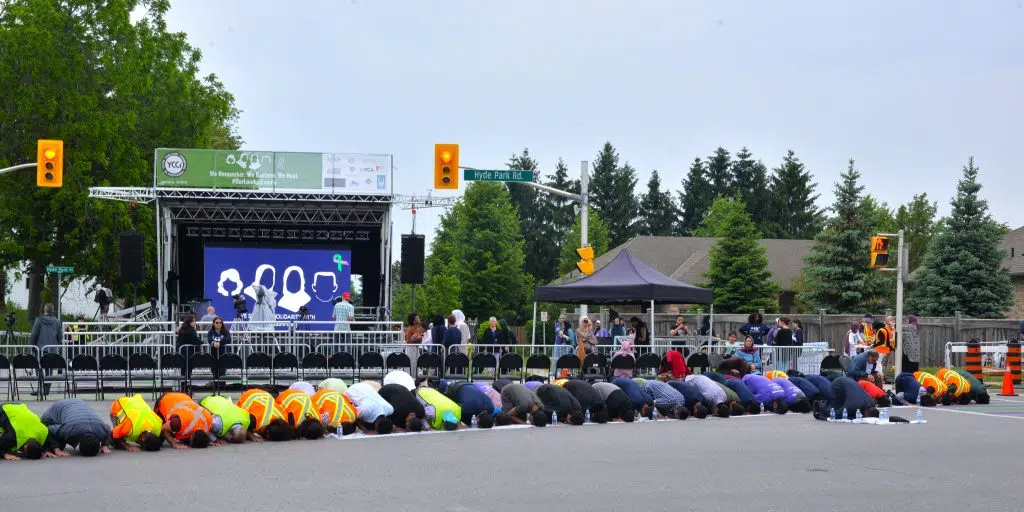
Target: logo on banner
[[340, 260], [174, 164]]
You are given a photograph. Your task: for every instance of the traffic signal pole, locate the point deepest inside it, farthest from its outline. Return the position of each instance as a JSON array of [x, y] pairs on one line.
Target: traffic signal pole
[[900, 262], [6, 170]]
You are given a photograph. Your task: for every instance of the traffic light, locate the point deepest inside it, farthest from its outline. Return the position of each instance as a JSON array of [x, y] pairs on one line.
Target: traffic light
[[586, 263], [879, 251], [446, 166], [50, 163]]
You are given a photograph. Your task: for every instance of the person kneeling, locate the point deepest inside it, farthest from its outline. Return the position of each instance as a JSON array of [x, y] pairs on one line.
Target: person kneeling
[[186, 423]]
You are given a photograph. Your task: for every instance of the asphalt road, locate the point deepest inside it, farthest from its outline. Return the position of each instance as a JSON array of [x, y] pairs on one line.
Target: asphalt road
[[768, 463]]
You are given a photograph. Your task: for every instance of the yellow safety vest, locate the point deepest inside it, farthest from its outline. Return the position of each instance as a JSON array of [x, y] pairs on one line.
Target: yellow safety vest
[[140, 418]]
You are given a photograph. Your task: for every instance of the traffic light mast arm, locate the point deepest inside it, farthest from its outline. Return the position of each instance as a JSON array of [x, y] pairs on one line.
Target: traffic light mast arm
[[6, 170]]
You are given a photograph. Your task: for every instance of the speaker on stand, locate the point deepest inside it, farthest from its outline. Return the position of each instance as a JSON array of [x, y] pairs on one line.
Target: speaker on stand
[[412, 263]]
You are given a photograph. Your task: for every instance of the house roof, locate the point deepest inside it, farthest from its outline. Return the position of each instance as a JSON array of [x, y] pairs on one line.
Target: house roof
[[686, 258], [1013, 244]]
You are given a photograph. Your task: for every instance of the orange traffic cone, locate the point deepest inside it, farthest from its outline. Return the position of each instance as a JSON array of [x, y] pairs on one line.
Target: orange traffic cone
[[1007, 384]]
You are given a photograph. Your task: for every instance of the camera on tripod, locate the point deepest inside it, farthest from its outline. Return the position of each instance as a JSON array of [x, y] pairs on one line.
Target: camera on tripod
[[10, 320], [239, 305]]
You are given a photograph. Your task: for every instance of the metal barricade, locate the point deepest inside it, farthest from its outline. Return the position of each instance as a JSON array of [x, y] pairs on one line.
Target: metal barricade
[[993, 354]]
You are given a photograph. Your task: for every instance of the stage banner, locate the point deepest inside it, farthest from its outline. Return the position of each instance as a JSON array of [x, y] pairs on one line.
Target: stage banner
[[338, 173], [295, 281]]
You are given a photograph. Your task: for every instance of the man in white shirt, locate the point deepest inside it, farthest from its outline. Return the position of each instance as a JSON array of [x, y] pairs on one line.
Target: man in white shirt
[[373, 410], [344, 312], [303, 386], [400, 377], [714, 396]]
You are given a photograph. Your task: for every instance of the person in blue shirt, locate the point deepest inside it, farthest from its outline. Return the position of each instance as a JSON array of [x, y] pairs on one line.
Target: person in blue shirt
[[747, 399], [864, 366], [908, 389], [823, 384], [750, 355], [755, 328], [693, 399], [847, 394], [452, 335], [641, 402], [473, 403], [809, 389]]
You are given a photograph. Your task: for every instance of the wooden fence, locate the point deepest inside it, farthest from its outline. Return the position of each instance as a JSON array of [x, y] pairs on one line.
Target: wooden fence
[[935, 331]]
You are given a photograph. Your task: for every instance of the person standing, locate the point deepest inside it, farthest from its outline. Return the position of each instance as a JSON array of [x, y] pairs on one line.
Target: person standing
[[618, 328], [413, 339], [564, 343], [911, 345], [47, 331], [491, 334], [72, 422], [187, 343], [680, 329], [599, 331], [219, 337], [755, 328], [209, 317], [460, 324], [343, 313], [585, 338]]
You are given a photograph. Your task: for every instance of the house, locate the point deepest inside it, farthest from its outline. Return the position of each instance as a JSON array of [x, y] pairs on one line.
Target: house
[[1013, 244], [686, 259]]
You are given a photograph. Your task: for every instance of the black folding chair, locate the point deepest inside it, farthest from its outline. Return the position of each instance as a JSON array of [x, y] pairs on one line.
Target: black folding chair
[[341, 361], [116, 364], [141, 362], [54, 368]]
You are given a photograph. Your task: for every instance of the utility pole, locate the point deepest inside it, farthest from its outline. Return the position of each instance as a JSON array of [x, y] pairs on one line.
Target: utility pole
[[584, 211], [900, 271]]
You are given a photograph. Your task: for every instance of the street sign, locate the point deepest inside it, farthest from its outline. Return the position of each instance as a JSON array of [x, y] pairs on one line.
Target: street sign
[[496, 175], [543, 316], [57, 269]]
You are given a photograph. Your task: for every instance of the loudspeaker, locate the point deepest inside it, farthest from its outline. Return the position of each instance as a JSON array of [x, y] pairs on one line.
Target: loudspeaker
[[412, 259], [132, 263]]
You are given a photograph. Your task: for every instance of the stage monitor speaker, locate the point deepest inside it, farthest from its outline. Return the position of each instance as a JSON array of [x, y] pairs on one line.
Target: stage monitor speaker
[[132, 258], [412, 259]]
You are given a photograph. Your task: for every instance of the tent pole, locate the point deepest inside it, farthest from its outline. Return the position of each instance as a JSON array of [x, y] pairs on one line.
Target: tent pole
[[650, 328], [533, 335], [711, 325]]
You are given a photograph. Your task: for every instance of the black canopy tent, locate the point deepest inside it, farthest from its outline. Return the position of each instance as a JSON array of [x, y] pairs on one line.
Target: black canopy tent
[[625, 279]]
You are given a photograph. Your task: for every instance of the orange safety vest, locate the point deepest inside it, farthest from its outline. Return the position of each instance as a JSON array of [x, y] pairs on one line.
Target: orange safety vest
[[776, 374], [297, 406], [262, 407], [869, 333], [951, 378], [882, 343], [928, 380], [192, 415], [334, 408]]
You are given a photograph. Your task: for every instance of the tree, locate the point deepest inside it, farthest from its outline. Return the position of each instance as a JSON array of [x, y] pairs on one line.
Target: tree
[[917, 220], [125, 88], [738, 271], [695, 198], [534, 220], [659, 213], [597, 237], [751, 183], [477, 255], [562, 210], [720, 173], [878, 216], [793, 210], [837, 266], [611, 194], [963, 268]]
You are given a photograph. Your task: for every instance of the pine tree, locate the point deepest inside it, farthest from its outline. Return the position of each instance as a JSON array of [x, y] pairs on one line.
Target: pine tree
[[720, 174], [963, 268], [917, 220], [612, 190], [752, 185], [837, 267], [695, 199], [658, 212], [562, 211], [534, 220], [793, 208], [738, 271]]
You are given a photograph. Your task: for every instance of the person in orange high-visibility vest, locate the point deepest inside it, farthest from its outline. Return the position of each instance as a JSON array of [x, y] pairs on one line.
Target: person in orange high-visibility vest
[[266, 418], [882, 343], [336, 410], [301, 412], [956, 385], [186, 423], [935, 386]]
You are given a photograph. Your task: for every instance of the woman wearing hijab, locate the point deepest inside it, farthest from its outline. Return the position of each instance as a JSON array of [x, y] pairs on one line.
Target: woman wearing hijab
[[750, 355], [674, 366], [585, 336], [625, 350], [460, 324]]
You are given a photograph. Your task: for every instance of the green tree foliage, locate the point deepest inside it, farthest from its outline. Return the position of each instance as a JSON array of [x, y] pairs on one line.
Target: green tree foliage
[[696, 197], [597, 237], [534, 220], [837, 267], [794, 213], [611, 194], [917, 220], [719, 169], [478, 249], [878, 215], [963, 268], [112, 89], [738, 271], [562, 209], [658, 212], [751, 185]]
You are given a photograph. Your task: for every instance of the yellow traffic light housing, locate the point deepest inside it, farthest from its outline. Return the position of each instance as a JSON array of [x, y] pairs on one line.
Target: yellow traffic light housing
[[446, 166], [50, 163], [586, 263], [879, 251]]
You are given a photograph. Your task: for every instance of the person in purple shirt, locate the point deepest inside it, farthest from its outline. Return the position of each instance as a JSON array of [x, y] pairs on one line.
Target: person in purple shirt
[[641, 402], [532, 385], [767, 393], [795, 398], [747, 400], [810, 390]]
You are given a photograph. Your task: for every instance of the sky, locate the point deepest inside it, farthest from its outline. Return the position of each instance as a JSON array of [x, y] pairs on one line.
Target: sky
[[908, 89]]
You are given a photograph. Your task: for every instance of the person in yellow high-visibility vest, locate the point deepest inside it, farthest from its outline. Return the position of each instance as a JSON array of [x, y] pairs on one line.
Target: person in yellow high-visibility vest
[[957, 386]]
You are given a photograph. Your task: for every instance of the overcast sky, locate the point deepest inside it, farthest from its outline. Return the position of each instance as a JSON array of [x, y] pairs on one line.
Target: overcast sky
[[909, 89]]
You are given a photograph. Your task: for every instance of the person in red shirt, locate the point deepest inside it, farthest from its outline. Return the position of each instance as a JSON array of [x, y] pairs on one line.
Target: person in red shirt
[[875, 392]]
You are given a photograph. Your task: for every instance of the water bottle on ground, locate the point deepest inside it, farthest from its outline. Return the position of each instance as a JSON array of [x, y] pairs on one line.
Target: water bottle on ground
[[920, 412], [845, 414], [473, 422], [859, 415], [586, 416], [554, 418], [762, 407], [832, 414]]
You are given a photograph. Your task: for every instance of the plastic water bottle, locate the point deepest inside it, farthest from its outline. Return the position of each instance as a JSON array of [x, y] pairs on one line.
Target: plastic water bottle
[[339, 433], [554, 418], [473, 422], [845, 414], [586, 416], [883, 415], [762, 407], [920, 412], [832, 414], [654, 413], [859, 415]]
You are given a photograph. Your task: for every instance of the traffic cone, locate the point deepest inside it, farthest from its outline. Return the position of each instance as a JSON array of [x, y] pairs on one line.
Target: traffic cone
[[1007, 384]]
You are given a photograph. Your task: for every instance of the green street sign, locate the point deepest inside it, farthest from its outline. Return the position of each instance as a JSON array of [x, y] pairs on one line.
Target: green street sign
[[57, 269], [496, 175]]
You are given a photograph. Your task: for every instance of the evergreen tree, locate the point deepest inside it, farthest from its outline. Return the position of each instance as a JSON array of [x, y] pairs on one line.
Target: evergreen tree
[[917, 220], [611, 194], [963, 268], [794, 213], [561, 213], [752, 186], [837, 267], [658, 212], [720, 173], [597, 237], [695, 199], [534, 220], [738, 271]]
